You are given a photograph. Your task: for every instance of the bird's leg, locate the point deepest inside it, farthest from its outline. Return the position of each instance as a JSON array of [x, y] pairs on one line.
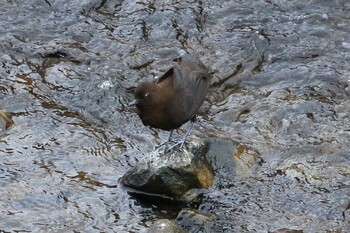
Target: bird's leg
[[187, 133], [168, 140], [182, 142]]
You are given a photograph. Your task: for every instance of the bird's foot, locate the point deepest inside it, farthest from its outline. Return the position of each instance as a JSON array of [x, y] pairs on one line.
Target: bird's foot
[[167, 141], [160, 145], [176, 144]]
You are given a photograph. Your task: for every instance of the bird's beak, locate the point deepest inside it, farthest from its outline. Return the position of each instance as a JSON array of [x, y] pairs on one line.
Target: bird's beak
[[133, 103]]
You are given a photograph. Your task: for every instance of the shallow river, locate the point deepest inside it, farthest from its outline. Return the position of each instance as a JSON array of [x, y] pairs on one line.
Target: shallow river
[[281, 88]]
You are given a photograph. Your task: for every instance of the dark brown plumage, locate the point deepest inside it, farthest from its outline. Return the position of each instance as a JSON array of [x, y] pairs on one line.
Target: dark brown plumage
[[175, 97]]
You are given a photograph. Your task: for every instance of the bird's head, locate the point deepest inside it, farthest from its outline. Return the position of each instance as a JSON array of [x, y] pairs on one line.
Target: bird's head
[[143, 94]]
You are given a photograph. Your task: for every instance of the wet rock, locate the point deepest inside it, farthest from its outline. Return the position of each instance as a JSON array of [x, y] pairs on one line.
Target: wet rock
[[193, 220], [182, 174], [165, 226], [172, 174]]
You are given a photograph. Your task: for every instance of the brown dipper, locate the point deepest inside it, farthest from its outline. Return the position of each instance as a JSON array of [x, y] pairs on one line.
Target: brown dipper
[[174, 98]]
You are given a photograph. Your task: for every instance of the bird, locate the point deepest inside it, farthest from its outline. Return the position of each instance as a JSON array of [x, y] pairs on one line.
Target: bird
[[175, 98]]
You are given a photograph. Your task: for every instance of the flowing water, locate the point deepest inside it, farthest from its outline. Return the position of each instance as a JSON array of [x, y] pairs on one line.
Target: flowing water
[[281, 87]]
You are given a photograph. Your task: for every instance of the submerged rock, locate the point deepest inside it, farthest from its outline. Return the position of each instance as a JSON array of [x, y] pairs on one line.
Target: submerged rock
[[285, 230], [5, 120], [165, 226], [174, 173], [230, 159], [195, 221]]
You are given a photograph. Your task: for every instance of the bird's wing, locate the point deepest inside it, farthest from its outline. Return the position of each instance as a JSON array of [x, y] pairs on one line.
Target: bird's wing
[[191, 81], [167, 74]]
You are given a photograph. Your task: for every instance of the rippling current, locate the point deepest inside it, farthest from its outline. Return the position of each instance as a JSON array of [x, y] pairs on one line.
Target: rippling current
[[281, 87]]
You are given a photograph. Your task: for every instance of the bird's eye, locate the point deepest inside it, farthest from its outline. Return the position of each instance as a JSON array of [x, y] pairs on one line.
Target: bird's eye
[[147, 94]]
